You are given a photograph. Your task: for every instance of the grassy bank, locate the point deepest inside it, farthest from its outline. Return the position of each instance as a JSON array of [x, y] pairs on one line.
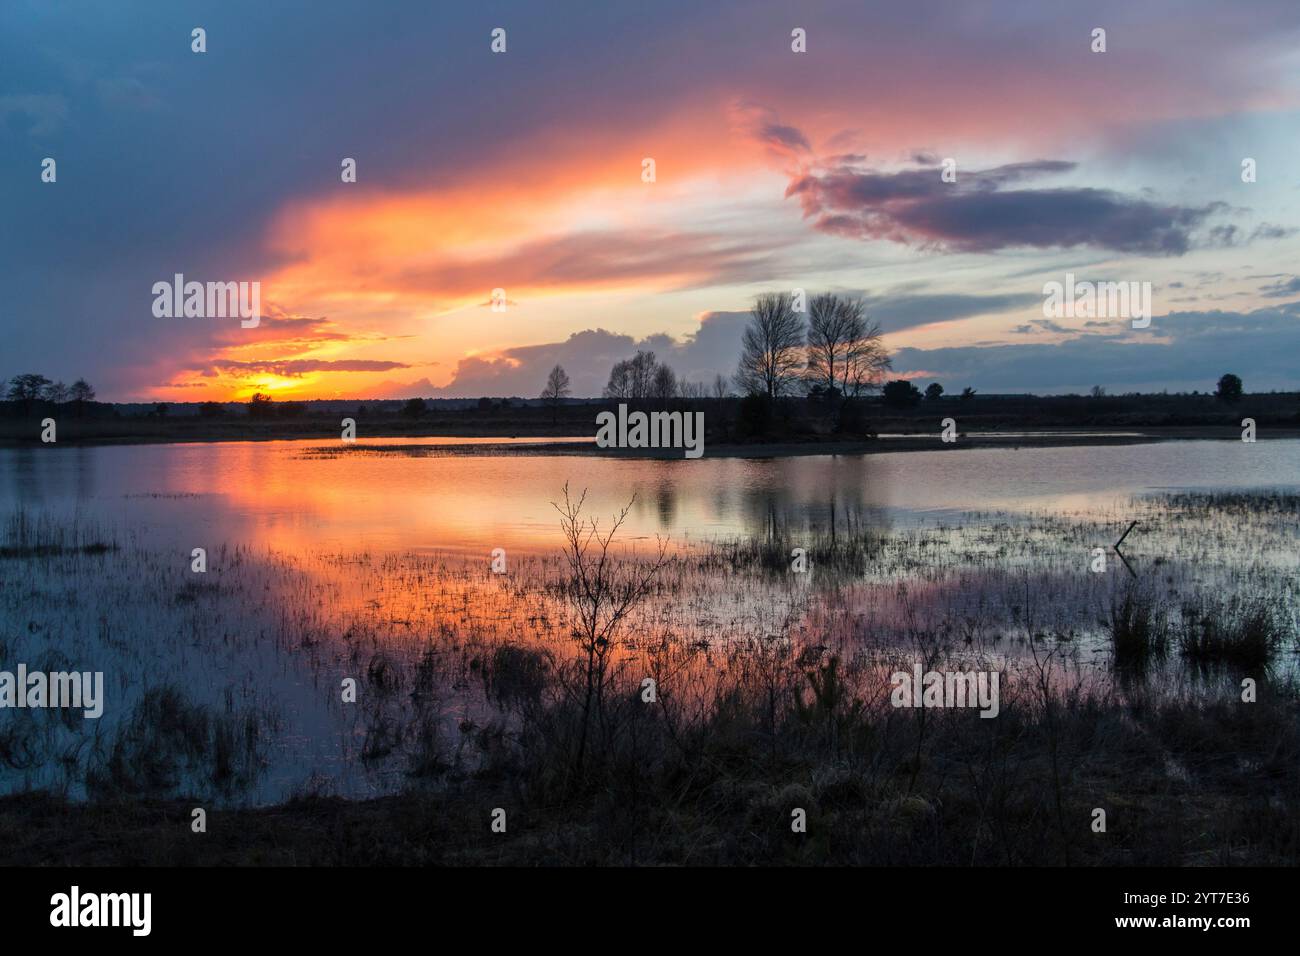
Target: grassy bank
[[1180, 784]]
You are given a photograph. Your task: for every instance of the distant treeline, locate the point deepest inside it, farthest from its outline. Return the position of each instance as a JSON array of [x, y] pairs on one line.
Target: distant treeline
[[819, 410]]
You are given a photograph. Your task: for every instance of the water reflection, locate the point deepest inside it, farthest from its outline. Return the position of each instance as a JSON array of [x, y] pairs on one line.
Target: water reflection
[[322, 564], [376, 495]]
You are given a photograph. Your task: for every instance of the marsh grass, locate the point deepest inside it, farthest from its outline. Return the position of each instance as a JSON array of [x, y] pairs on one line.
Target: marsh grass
[[42, 536], [852, 551], [170, 745], [1242, 632], [480, 690], [713, 778], [1138, 629]]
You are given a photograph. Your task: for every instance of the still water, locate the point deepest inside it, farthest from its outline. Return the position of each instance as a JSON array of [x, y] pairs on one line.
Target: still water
[[328, 564], [384, 495]]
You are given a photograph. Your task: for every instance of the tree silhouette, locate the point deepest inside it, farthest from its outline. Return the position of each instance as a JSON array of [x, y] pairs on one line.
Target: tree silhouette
[[556, 390], [28, 389], [664, 384], [259, 406], [901, 394], [79, 393], [772, 348], [1229, 389], [633, 378]]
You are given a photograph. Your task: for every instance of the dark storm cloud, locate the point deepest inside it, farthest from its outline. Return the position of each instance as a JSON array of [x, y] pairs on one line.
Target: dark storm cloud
[[982, 212]]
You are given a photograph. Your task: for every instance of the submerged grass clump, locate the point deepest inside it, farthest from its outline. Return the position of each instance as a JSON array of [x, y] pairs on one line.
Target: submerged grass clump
[[43, 536], [1238, 503], [1242, 632], [170, 746], [852, 551], [1138, 629]]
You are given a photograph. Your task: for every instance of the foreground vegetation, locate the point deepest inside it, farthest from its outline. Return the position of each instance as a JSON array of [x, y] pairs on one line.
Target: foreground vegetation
[[1181, 783], [527, 694]]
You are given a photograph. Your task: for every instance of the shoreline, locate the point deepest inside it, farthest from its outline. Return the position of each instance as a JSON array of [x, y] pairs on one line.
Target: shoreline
[[539, 446]]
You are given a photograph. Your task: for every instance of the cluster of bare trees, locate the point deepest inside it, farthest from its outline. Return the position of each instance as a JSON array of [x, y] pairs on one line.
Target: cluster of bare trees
[[31, 388], [835, 351], [831, 351], [643, 377]]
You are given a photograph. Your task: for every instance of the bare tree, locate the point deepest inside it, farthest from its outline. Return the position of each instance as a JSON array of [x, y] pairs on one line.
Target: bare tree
[[556, 390], [845, 352], [81, 392], [643, 369], [641, 377], [721, 387], [620, 380], [692, 390], [603, 592], [664, 384], [866, 362], [834, 323], [633, 378], [772, 348]]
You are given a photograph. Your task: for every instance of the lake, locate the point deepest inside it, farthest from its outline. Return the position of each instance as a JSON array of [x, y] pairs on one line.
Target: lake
[[327, 563], [309, 494]]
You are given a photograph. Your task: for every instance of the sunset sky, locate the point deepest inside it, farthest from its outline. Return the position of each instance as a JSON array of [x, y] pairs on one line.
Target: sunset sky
[[523, 171]]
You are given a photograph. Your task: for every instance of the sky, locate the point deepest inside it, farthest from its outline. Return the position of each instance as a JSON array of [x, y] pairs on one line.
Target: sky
[[523, 171]]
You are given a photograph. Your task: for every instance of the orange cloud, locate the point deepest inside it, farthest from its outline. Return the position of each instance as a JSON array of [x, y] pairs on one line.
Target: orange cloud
[[563, 212]]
